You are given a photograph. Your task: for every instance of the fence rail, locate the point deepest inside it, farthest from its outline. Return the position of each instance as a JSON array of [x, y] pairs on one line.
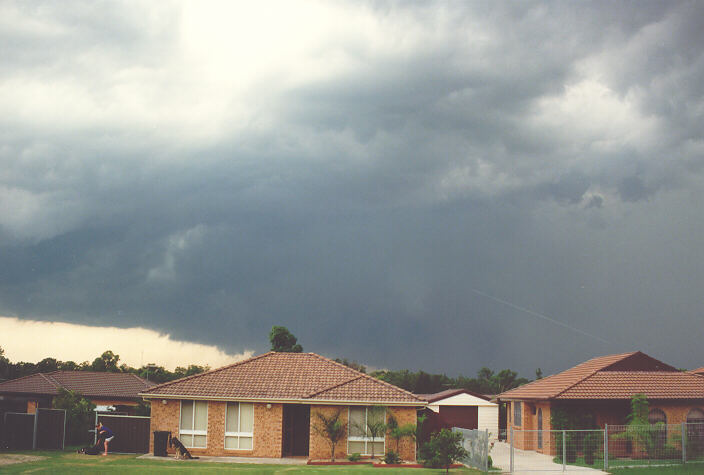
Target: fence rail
[[614, 446]]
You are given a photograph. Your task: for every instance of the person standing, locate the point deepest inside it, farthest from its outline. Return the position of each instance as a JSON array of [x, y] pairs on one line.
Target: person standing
[[104, 433]]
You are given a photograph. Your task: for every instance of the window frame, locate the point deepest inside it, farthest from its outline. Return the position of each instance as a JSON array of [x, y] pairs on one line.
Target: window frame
[[239, 434], [517, 413], [365, 439], [193, 432]]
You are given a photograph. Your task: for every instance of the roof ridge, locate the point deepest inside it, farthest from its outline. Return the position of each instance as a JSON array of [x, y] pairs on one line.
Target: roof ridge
[[51, 380], [222, 368], [600, 368], [333, 386], [365, 375]]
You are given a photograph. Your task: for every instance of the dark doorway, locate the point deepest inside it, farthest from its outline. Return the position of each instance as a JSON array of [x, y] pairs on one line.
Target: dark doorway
[[296, 430]]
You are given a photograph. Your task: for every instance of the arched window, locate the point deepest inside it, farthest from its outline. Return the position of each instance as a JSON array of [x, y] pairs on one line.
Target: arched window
[[657, 415], [695, 416], [695, 432]]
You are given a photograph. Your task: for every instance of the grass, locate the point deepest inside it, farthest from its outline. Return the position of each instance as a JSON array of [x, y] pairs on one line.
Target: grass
[[57, 462], [689, 468]]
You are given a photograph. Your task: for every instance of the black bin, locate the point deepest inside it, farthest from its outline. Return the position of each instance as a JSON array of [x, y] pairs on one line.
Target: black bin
[[161, 440]]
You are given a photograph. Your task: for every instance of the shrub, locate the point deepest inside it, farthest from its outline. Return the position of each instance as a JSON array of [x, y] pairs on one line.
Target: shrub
[[443, 449], [331, 428], [354, 457], [589, 448], [391, 458]]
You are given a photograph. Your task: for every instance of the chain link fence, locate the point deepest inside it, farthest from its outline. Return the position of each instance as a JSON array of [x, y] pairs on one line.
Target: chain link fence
[[476, 443], [614, 446]]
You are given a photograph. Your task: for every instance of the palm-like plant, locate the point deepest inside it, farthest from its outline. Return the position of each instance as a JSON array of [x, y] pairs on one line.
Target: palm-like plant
[[332, 428]]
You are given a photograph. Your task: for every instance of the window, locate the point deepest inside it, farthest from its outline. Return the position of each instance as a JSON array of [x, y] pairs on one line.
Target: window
[[239, 424], [657, 415], [363, 423], [517, 413], [194, 424]]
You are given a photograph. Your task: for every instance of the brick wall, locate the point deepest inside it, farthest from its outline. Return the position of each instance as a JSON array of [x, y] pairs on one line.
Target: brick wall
[[267, 428], [319, 447], [407, 446]]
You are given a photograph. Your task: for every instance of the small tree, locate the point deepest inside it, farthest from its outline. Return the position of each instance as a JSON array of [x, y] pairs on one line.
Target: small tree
[[443, 449], [375, 426], [282, 340], [398, 432], [79, 415], [330, 428]]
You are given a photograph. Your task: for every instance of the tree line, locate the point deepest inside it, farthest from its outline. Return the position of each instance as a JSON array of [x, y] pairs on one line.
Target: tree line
[[107, 362]]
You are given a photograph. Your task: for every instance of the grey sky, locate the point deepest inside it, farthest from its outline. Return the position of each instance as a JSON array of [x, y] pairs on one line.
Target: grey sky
[[354, 170]]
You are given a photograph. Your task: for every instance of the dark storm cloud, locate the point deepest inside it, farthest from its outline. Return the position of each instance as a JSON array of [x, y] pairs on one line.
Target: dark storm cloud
[[544, 154]]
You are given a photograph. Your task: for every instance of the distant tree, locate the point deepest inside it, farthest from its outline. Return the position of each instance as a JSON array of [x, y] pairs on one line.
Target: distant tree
[[282, 340], [352, 364], [181, 372], [47, 365], [106, 362], [4, 365], [331, 428], [69, 366], [79, 415], [538, 374]]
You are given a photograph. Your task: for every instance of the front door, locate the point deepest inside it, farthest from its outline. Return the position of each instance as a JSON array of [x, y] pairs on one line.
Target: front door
[[296, 430]]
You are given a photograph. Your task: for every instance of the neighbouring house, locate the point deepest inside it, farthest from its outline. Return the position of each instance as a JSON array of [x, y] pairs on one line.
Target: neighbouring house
[[603, 387], [699, 371], [266, 406], [460, 408], [116, 390]]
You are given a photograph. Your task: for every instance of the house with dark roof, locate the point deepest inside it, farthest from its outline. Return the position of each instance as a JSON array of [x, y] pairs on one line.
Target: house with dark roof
[[118, 390], [603, 387], [267, 406], [460, 408]]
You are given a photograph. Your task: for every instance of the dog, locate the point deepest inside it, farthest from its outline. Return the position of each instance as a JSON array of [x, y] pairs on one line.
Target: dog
[[181, 451], [93, 449]]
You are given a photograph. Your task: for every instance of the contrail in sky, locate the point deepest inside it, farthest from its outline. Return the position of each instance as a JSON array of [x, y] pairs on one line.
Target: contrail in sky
[[540, 315]]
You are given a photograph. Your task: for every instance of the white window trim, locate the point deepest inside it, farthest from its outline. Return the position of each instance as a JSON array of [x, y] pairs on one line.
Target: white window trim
[[194, 432], [239, 423], [365, 439]]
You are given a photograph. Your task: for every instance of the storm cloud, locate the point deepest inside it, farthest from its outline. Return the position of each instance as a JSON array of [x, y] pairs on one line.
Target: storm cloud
[[365, 174]]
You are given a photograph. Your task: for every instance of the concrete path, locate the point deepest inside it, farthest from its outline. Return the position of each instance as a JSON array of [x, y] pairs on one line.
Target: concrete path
[[530, 462], [259, 460]]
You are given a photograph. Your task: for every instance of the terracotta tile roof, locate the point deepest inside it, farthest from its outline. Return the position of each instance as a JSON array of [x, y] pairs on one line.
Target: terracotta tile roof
[[698, 371], [86, 383], [551, 386], [285, 376], [449, 393], [613, 377], [624, 384]]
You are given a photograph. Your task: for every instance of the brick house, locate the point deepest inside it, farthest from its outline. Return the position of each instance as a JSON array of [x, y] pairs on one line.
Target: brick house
[[603, 387], [266, 406], [118, 390]]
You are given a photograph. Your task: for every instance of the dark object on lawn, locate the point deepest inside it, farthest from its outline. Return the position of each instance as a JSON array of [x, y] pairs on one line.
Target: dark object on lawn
[[93, 449], [181, 450]]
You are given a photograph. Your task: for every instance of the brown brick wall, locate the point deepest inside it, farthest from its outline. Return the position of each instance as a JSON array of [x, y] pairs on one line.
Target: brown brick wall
[[319, 447], [407, 446], [267, 428]]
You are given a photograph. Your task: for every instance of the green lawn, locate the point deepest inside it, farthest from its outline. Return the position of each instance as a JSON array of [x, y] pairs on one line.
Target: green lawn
[[688, 468], [71, 462]]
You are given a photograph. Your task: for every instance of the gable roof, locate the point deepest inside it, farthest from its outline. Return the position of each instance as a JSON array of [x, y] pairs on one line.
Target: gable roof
[[613, 377], [698, 371], [87, 383], [449, 393], [296, 377]]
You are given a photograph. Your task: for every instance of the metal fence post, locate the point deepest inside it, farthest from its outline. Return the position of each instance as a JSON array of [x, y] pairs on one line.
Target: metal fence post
[[63, 441], [486, 451], [34, 436], [564, 451], [606, 447], [511, 451], [684, 443]]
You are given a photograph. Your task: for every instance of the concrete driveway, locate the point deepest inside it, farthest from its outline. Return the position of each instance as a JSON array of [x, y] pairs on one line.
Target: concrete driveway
[[530, 462]]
